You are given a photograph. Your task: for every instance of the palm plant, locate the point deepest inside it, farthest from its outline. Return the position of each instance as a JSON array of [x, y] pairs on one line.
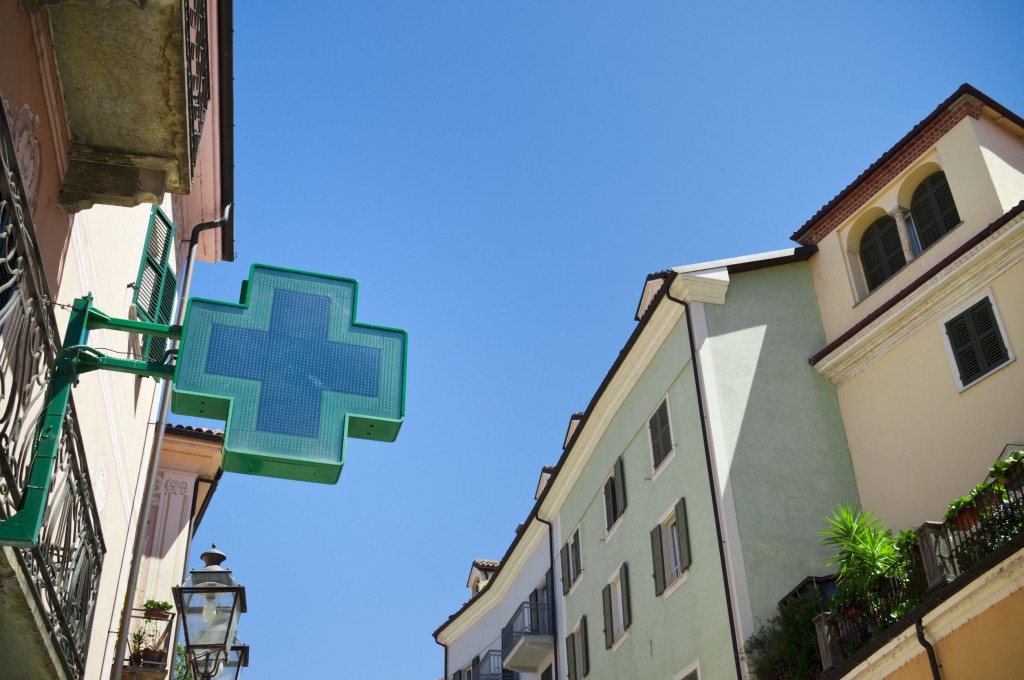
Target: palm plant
[[866, 553]]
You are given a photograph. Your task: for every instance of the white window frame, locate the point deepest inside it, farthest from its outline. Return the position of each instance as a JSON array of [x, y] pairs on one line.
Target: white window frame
[[618, 619], [1010, 357], [670, 555], [692, 668], [657, 469], [575, 559], [577, 645], [604, 495]]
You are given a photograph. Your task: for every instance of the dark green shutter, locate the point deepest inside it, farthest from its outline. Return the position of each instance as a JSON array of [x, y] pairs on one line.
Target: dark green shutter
[[620, 486], [661, 437], [156, 285], [584, 648], [627, 615], [476, 662], [565, 569], [881, 252], [933, 209], [609, 502], [683, 534], [570, 655], [658, 557], [549, 587], [457, 675], [609, 629], [976, 342]]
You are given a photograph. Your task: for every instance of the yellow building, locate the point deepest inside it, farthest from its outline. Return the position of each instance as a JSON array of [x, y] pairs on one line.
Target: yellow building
[[921, 289], [116, 139]]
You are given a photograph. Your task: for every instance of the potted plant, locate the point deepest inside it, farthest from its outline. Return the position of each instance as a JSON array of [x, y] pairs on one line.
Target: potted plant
[[154, 656], [963, 513], [156, 609], [867, 553], [1010, 471], [137, 642]]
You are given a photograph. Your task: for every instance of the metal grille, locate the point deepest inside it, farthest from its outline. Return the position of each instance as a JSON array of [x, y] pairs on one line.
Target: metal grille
[[63, 571], [531, 618], [198, 58], [489, 667]]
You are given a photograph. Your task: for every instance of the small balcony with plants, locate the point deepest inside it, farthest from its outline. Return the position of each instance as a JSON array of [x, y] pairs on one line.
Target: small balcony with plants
[[150, 634], [527, 640], [885, 583]]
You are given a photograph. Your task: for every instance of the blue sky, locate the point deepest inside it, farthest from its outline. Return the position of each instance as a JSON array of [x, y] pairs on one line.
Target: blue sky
[[500, 177]]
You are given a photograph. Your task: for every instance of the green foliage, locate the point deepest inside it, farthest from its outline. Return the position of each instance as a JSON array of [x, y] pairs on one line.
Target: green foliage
[[157, 604], [181, 669], [1002, 468], [139, 640], [786, 646], [866, 551], [991, 493]]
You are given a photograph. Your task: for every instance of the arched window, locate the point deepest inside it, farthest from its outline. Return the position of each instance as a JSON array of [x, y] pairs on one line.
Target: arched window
[[933, 209], [881, 253]]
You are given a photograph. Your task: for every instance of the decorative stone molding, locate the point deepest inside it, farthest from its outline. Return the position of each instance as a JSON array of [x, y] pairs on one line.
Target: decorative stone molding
[[708, 285], [25, 131], [949, 289]]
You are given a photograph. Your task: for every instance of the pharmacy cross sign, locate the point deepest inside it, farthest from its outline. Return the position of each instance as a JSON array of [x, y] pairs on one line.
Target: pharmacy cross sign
[[291, 373]]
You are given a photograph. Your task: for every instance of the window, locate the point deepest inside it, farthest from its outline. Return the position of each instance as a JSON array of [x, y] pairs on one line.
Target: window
[[881, 252], [547, 674], [661, 434], [614, 494], [616, 606], [670, 548], [577, 655], [540, 607], [572, 564], [156, 285], [933, 210], [975, 341]]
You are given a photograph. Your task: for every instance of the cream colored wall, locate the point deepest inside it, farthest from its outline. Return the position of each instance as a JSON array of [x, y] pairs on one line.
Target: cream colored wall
[[984, 167], [114, 410], [918, 442]]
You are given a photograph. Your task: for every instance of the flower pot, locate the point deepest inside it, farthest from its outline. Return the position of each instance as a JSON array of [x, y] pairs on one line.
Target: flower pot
[[135, 659], [157, 613], [967, 518], [154, 655]]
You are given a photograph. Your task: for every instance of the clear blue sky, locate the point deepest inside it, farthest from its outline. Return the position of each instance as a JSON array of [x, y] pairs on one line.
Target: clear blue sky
[[500, 176]]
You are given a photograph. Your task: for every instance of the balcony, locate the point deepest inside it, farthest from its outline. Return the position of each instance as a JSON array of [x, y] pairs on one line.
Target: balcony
[[149, 645], [489, 668], [135, 84], [527, 640], [47, 593]]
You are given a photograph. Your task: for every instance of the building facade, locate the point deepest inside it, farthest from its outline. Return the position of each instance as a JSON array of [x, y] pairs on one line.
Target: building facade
[[116, 140]]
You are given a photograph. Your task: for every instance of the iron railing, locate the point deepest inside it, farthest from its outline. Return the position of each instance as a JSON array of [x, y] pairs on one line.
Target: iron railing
[[197, 54], [988, 521], [531, 618], [489, 667], [63, 570]]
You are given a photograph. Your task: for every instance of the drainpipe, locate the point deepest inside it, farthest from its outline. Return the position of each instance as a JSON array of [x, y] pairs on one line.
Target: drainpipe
[[932, 661], [154, 461], [554, 609], [445, 658], [711, 479]]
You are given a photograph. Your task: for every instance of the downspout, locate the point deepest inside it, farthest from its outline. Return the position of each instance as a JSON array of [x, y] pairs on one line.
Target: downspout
[[711, 478], [445, 677], [932, 661], [554, 609], [154, 461]]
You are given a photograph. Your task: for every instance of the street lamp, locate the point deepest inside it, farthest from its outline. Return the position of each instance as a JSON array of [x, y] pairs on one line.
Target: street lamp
[[210, 602]]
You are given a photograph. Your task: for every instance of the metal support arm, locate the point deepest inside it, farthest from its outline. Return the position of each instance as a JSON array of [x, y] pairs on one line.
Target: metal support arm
[[21, 529]]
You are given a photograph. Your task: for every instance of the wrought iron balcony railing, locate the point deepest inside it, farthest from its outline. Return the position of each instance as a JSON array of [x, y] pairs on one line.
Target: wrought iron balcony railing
[[489, 668], [531, 618], [63, 570], [198, 57]]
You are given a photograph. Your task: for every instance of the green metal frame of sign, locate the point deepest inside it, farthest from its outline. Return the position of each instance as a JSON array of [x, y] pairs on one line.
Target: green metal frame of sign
[[291, 373], [22, 528]]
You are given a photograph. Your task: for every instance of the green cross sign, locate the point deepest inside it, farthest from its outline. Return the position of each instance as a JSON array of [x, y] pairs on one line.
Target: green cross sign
[[291, 373]]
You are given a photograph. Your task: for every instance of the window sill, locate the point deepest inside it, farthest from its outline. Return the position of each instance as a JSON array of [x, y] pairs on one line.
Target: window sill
[[618, 642], [575, 584], [664, 464], [963, 388], [674, 586], [614, 527]]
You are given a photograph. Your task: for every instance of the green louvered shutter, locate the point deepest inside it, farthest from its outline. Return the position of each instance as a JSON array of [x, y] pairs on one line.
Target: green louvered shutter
[[620, 486], [609, 630], [976, 341], [881, 253], [683, 534], [565, 569], [933, 209], [457, 675], [658, 557], [627, 614], [156, 286], [584, 648], [609, 503], [570, 655]]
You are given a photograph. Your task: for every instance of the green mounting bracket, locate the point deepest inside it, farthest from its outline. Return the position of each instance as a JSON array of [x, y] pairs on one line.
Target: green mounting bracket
[[21, 530]]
